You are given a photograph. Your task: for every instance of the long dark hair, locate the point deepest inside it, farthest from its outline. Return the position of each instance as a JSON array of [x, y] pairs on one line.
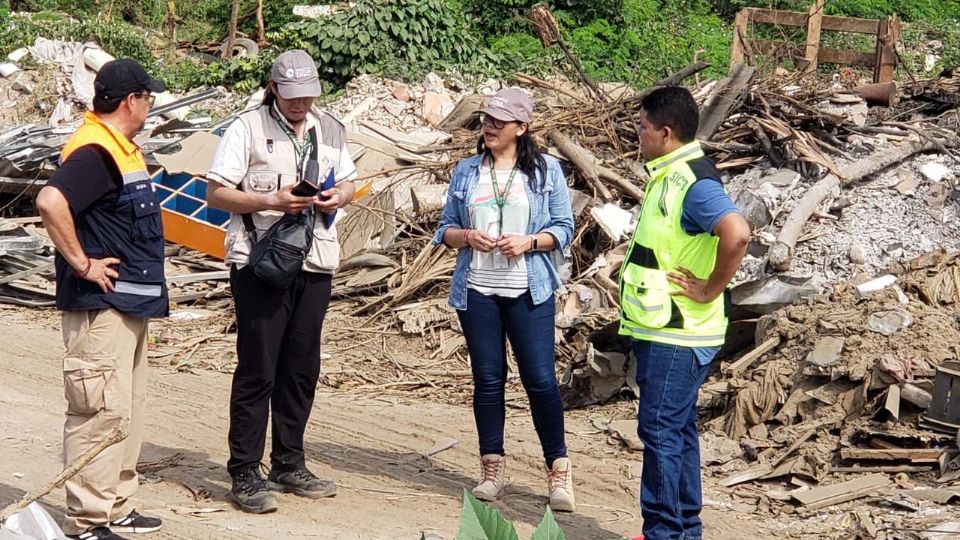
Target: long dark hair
[[529, 159], [268, 96]]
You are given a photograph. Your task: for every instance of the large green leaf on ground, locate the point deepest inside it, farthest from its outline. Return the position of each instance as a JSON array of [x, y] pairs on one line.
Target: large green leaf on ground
[[481, 522], [548, 528]]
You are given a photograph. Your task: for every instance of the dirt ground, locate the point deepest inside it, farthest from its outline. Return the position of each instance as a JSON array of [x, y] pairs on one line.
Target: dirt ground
[[368, 444]]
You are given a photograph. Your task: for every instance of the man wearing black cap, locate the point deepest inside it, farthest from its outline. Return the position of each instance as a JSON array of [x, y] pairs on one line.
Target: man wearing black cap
[[103, 216]]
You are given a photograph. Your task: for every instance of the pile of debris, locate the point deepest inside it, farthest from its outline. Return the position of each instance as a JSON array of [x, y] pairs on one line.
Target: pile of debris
[[27, 268], [839, 385]]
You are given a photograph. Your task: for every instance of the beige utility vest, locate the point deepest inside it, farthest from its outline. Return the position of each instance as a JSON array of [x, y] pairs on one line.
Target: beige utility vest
[[273, 166]]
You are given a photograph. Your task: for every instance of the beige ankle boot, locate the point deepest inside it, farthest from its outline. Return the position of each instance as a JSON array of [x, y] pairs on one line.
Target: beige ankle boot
[[560, 485], [493, 477]]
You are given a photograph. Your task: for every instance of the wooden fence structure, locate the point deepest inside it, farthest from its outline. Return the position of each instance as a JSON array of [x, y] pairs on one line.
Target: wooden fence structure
[[883, 60]]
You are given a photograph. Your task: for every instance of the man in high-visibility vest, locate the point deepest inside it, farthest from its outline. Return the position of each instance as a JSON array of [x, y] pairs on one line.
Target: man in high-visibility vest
[[687, 246]]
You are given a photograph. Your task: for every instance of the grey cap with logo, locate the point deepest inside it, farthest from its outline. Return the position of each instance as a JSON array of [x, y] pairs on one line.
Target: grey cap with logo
[[510, 105], [295, 74]]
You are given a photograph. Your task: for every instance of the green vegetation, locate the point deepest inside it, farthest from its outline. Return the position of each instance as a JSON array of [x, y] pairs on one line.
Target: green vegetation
[[481, 522], [118, 37], [636, 41]]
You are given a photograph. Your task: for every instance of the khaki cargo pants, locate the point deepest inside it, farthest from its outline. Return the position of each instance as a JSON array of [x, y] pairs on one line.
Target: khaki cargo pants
[[104, 379]]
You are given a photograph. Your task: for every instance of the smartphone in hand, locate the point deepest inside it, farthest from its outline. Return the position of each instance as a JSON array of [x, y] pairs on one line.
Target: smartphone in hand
[[310, 180]]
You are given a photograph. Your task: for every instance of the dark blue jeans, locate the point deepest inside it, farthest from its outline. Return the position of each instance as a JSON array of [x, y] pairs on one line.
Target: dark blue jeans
[[487, 322], [669, 378]]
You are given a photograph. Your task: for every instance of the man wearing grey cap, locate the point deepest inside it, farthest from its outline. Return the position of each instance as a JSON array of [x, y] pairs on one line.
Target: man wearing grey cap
[[260, 160]]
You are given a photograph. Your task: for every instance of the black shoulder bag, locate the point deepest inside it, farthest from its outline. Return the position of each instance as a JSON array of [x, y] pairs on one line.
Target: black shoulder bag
[[278, 255]]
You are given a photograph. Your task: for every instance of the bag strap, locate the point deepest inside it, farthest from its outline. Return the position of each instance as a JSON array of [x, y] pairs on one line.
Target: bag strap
[[314, 152]]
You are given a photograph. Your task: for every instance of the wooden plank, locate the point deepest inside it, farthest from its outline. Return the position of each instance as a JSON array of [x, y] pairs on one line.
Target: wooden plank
[[886, 58], [850, 58], [796, 18], [825, 496], [740, 23], [734, 369], [763, 471], [825, 55], [914, 455], [198, 276], [882, 469], [723, 99], [813, 35]]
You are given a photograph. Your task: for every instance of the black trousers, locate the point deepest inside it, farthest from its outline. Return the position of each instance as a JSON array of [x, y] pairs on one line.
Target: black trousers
[[278, 365]]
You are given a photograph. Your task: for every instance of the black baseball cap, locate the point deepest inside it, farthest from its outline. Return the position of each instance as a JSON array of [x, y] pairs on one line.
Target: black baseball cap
[[119, 78]]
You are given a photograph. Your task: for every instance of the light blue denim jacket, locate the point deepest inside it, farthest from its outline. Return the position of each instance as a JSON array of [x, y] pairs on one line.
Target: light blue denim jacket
[[550, 212]]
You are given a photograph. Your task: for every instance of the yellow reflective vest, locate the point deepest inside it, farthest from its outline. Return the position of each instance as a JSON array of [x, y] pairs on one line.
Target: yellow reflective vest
[[660, 245]]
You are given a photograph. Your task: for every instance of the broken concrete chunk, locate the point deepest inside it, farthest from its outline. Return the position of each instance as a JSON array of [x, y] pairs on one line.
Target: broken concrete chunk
[[909, 182], [754, 210], [827, 351], [19, 54], [934, 171], [625, 431], [7, 69], [22, 87], [857, 254], [865, 290], [717, 449], [846, 99], [433, 82], [436, 107], [401, 93], [781, 178]]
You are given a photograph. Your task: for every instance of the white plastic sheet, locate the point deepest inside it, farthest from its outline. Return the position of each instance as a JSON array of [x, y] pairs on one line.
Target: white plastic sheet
[[31, 523]]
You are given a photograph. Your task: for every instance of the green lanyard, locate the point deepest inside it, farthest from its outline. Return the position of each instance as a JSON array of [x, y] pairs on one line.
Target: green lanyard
[[498, 197], [304, 148]]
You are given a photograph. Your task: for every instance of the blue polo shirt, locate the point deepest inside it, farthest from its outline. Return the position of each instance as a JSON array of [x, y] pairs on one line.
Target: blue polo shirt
[[705, 204]]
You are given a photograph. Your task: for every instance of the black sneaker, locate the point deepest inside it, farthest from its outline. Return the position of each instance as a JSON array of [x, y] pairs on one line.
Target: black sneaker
[[97, 533], [301, 482], [136, 524], [251, 494]]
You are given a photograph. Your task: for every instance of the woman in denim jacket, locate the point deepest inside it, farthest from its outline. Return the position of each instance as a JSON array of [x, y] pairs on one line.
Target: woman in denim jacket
[[507, 209]]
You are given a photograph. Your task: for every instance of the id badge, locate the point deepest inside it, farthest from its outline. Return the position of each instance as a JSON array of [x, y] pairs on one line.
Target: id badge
[[500, 261]]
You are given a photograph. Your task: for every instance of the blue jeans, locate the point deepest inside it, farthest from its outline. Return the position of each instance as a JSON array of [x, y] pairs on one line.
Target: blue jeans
[[487, 322], [669, 378]]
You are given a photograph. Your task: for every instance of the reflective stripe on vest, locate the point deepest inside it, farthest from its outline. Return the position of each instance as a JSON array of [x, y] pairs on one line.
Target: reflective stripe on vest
[[141, 289], [648, 310]]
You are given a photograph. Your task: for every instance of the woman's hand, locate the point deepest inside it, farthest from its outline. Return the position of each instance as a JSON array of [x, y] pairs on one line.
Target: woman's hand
[[514, 245], [480, 241]]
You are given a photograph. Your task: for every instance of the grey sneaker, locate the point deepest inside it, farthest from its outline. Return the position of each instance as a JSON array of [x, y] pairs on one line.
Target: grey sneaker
[[301, 482], [251, 494]]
